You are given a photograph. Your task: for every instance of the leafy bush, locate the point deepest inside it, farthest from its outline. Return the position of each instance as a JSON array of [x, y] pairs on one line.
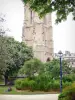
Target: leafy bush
[[68, 93], [32, 85], [25, 84], [22, 84], [67, 78], [56, 85], [38, 83], [18, 84], [72, 76], [65, 84], [31, 67], [42, 82]]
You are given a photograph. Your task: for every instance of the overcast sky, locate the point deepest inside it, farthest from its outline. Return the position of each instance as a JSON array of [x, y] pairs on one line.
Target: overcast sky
[[63, 33]]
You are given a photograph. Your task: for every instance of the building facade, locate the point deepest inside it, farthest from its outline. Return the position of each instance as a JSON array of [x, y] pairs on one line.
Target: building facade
[[68, 56], [38, 34]]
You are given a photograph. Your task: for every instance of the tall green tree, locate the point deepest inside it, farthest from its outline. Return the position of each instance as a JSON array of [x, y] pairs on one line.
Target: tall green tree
[[2, 28], [14, 54], [3, 49], [3, 55], [62, 8]]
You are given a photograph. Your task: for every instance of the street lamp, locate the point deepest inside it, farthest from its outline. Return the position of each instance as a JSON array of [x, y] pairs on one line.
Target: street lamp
[[60, 55]]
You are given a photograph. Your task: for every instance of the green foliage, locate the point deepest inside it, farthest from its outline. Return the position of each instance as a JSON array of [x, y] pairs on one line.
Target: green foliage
[[72, 76], [31, 68], [22, 84], [2, 20], [67, 78], [13, 54], [68, 93], [3, 55], [73, 70], [19, 53], [37, 84], [56, 85], [62, 8], [42, 83], [18, 84], [32, 85], [65, 84], [46, 77], [52, 68]]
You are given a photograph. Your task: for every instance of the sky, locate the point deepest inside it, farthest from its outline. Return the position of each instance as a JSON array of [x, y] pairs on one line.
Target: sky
[[63, 33]]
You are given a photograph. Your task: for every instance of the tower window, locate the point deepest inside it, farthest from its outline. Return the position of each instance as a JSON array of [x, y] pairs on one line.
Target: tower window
[[31, 16]]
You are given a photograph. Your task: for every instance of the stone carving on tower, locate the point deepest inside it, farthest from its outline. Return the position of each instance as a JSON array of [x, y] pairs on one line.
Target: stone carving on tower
[[38, 34]]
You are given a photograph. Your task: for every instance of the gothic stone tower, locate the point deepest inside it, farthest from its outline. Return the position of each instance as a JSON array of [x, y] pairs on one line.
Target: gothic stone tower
[[38, 34]]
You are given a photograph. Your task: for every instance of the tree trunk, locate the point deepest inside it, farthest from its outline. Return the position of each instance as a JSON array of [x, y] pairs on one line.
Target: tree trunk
[[6, 79]]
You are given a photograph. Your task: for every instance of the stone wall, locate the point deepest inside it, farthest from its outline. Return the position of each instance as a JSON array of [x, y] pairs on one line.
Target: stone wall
[[38, 34]]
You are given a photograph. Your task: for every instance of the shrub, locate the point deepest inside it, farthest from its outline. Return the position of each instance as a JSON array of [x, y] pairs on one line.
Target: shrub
[[47, 87], [50, 85], [32, 85], [56, 85], [68, 93], [25, 84], [42, 82], [22, 84], [65, 84], [67, 78], [31, 68], [73, 77], [18, 84]]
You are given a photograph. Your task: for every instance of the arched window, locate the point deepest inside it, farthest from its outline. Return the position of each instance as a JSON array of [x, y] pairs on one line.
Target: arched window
[[48, 59]]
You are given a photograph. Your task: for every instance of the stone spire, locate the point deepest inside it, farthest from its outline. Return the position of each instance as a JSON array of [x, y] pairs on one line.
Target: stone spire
[[38, 34]]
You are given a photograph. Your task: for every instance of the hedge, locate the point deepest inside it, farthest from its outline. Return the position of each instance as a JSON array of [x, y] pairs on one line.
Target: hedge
[[68, 93]]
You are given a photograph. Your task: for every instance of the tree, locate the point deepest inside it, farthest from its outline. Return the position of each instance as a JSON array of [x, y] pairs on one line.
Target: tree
[[3, 55], [3, 49], [68, 93], [16, 54], [52, 68], [2, 31], [13, 54], [62, 8], [31, 67]]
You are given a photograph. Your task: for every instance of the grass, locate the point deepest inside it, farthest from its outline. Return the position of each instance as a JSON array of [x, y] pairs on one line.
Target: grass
[[3, 90], [1, 82]]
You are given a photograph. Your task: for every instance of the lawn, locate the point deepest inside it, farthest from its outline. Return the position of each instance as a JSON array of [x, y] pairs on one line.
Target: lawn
[[1, 82], [3, 90]]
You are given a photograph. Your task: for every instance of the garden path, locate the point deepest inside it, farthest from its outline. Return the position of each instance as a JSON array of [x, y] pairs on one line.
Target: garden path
[[30, 97]]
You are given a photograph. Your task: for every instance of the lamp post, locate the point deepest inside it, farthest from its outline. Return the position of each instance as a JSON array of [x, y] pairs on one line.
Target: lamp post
[[60, 55]]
